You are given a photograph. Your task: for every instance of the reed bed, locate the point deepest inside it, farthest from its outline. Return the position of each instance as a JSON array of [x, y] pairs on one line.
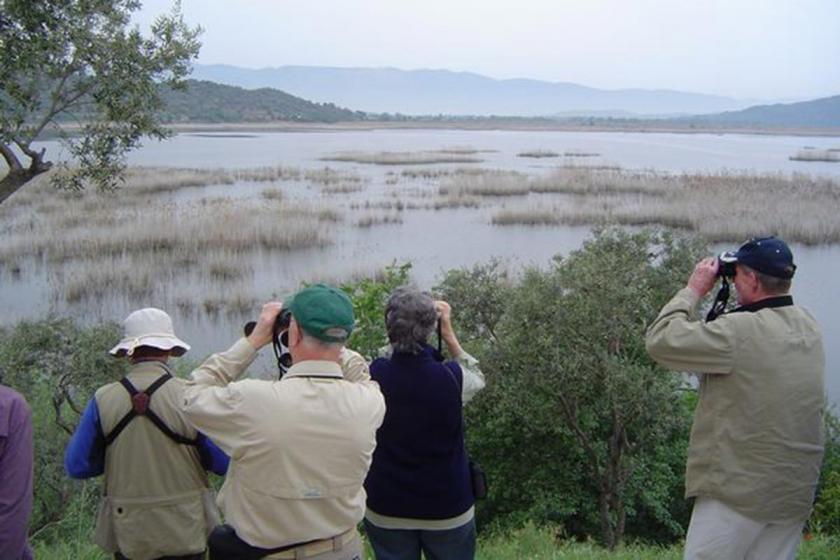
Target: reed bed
[[397, 204], [403, 158], [720, 207], [330, 176], [371, 220], [271, 174], [236, 227], [426, 173], [463, 150], [342, 188], [831, 155], [130, 243], [272, 194], [537, 154], [595, 181], [490, 183], [579, 154]]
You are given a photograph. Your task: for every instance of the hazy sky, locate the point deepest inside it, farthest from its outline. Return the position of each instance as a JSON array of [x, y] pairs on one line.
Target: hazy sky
[[758, 49]]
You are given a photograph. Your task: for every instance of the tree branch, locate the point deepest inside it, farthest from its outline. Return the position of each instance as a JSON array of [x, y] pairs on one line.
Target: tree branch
[[56, 109], [11, 158]]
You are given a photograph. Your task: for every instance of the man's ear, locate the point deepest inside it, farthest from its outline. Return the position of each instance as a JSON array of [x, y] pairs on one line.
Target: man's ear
[[294, 333]]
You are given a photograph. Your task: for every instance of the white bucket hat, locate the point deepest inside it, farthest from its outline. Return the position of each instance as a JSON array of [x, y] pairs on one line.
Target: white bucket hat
[[149, 327]]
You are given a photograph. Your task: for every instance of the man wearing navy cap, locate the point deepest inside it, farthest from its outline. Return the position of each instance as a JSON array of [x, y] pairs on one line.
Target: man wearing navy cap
[[756, 441]]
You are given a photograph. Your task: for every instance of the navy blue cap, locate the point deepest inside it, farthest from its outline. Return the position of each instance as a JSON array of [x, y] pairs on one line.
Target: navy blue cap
[[767, 255]]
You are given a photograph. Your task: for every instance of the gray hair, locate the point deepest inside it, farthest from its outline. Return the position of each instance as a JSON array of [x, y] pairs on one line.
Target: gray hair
[[410, 317], [771, 284]]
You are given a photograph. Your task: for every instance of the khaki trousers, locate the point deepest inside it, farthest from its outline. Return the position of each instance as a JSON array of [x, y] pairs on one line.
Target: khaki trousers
[[717, 532]]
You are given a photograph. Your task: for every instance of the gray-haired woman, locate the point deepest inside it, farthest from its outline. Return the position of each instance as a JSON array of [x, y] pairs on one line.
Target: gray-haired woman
[[419, 493]]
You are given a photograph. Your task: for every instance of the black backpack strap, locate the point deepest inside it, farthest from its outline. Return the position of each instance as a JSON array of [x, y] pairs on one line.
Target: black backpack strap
[[140, 407]]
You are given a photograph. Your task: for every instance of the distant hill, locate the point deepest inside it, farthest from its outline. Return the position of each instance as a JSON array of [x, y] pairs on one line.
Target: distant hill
[[824, 112], [432, 92], [208, 102]]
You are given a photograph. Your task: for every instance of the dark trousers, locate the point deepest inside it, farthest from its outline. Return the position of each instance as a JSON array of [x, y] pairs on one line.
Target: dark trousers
[[199, 556], [404, 544]]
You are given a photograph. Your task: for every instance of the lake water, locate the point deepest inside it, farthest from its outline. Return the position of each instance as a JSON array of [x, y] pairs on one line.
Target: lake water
[[434, 241]]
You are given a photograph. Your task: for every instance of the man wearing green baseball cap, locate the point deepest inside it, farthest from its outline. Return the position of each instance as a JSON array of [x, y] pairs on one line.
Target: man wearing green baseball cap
[[300, 446]]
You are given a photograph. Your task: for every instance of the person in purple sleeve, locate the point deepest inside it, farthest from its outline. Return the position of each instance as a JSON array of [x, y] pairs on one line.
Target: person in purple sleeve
[[16, 458], [157, 502]]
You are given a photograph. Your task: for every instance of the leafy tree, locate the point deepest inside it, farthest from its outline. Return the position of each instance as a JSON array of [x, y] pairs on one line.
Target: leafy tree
[[78, 70], [577, 424]]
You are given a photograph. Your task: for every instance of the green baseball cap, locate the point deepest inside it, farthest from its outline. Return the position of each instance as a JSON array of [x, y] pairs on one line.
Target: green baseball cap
[[323, 312]]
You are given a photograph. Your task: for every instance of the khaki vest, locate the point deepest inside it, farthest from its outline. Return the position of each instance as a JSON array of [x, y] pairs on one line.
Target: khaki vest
[[157, 500]]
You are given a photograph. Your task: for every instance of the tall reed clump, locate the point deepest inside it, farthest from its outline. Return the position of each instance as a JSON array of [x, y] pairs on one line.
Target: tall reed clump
[[406, 158], [831, 155], [127, 242], [489, 183], [720, 206]]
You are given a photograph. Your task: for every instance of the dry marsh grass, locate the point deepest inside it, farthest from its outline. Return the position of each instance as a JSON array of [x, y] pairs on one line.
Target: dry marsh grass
[[371, 220], [330, 176], [426, 173], [272, 194], [538, 154], [490, 183], [831, 155], [342, 188], [128, 243], [720, 207], [404, 158]]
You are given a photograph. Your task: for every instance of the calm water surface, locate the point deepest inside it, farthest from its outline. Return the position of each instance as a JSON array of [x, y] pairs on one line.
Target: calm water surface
[[435, 241]]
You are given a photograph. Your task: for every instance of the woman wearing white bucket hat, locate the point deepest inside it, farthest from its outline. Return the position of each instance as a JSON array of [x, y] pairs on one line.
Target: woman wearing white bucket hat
[[153, 459]]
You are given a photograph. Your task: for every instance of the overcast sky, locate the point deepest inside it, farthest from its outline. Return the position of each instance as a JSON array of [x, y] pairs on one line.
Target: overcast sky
[[754, 49]]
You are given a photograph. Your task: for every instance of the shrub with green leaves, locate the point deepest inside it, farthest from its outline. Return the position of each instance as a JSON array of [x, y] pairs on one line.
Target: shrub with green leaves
[[57, 366], [577, 425]]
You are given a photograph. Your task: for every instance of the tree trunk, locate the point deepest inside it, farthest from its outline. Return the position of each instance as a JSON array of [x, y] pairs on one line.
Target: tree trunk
[[607, 531], [10, 184]]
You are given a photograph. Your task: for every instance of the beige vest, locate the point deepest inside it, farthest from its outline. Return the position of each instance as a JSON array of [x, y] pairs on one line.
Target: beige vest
[[156, 499]]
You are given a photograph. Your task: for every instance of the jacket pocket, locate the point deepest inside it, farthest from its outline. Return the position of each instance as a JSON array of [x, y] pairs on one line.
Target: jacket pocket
[[149, 528]]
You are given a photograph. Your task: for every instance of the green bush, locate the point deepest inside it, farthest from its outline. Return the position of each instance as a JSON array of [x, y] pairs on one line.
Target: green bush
[[826, 516], [57, 366], [577, 426]]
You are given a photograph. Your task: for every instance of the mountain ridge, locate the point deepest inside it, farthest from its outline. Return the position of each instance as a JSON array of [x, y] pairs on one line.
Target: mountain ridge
[[440, 91]]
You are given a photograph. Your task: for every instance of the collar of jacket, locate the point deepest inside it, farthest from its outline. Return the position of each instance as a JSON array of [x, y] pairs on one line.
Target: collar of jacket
[[149, 366], [312, 368], [780, 301], [426, 353]]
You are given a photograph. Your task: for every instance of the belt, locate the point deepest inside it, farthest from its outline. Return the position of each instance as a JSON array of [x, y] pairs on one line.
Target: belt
[[332, 544]]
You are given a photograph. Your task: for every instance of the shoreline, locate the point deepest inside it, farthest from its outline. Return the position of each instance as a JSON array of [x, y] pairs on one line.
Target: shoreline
[[515, 125], [478, 125]]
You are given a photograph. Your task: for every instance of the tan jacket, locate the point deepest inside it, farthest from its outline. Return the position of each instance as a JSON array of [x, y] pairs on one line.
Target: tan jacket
[[156, 499], [756, 442], [300, 447]]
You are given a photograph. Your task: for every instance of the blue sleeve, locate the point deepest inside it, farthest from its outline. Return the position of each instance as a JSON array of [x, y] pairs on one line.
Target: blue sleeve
[[85, 455], [213, 459]]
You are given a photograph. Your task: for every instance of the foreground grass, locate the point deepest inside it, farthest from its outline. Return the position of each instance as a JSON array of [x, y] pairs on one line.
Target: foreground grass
[[527, 543]]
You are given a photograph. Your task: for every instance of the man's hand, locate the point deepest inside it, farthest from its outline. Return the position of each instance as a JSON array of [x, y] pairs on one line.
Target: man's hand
[[264, 331], [704, 277]]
